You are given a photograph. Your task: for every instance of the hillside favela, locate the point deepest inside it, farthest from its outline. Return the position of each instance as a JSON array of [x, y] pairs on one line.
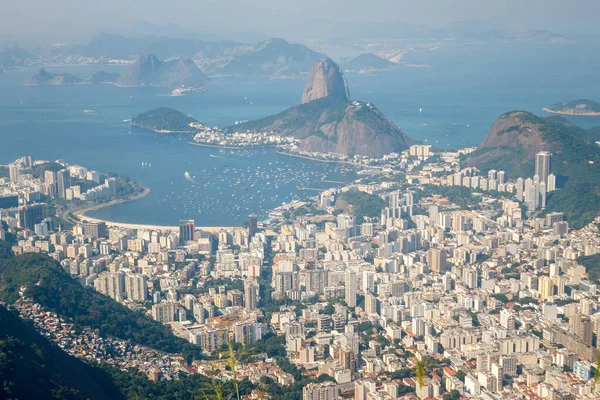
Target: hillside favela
[[300, 200]]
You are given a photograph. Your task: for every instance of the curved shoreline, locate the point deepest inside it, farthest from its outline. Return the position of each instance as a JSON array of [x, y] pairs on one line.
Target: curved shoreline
[[572, 114], [81, 214]]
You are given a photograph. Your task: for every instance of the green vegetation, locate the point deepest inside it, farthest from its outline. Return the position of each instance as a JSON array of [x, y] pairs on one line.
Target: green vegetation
[[373, 118], [575, 107], [38, 170], [314, 113], [164, 119], [293, 392], [363, 204], [592, 266], [33, 368], [575, 161], [49, 285]]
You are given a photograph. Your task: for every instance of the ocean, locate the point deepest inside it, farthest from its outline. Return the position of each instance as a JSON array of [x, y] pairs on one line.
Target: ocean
[[450, 104]]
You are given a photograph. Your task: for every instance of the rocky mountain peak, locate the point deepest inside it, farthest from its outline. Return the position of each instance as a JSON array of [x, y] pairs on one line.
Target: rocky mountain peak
[[325, 79]]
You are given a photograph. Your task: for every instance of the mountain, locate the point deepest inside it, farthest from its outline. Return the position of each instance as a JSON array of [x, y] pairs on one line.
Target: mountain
[[325, 79], [149, 70], [328, 122], [50, 286], [164, 120], [582, 108], [104, 77], [368, 62], [515, 138], [34, 368], [273, 58], [108, 46], [13, 57], [44, 77]]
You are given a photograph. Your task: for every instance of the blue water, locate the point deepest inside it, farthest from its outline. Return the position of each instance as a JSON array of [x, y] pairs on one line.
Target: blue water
[[461, 95]]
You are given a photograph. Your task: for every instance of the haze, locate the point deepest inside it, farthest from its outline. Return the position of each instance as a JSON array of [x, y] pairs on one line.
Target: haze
[[68, 20]]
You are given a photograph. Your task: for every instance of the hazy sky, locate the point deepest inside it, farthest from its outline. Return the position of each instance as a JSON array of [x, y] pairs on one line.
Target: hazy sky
[[80, 18]]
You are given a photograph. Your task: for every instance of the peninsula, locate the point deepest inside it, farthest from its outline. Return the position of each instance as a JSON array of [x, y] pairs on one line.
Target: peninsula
[[580, 108]]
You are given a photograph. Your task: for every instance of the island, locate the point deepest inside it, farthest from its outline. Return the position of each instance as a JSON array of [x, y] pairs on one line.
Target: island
[[44, 77], [166, 120], [580, 108]]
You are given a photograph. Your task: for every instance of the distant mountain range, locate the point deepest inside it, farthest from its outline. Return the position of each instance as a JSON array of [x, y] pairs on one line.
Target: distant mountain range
[[16, 57], [150, 70], [146, 71], [272, 58], [328, 122]]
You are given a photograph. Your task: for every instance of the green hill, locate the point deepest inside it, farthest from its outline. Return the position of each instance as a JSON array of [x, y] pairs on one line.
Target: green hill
[[164, 120], [515, 138], [582, 108], [49, 285], [368, 62], [44, 77], [33, 368]]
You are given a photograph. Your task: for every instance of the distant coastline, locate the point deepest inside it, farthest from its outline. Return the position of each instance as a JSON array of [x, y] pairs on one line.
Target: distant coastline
[[219, 146], [573, 112]]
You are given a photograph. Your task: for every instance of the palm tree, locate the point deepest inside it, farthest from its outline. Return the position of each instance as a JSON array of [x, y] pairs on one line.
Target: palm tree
[[420, 371], [232, 365]]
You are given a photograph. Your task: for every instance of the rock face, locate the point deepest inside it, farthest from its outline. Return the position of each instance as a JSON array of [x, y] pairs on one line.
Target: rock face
[[149, 70], [325, 79]]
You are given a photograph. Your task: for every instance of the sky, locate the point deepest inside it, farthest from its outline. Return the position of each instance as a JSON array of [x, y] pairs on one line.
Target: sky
[[76, 19]]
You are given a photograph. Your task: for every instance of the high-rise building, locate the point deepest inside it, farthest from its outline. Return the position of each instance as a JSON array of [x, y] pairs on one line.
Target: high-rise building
[[95, 229], [320, 391], [551, 182], [436, 260], [542, 165], [136, 287], [187, 231], [351, 287], [31, 215], [252, 225], [13, 173], [164, 312], [63, 179], [251, 291]]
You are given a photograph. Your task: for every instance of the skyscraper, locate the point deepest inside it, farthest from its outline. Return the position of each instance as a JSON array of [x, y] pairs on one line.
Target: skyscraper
[[63, 178], [351, 283], [252, 225], [542, 165], [187, 231], [436, 260], [95, 229], [136, 287], [251, 290], [31, 215], [13, 173]]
